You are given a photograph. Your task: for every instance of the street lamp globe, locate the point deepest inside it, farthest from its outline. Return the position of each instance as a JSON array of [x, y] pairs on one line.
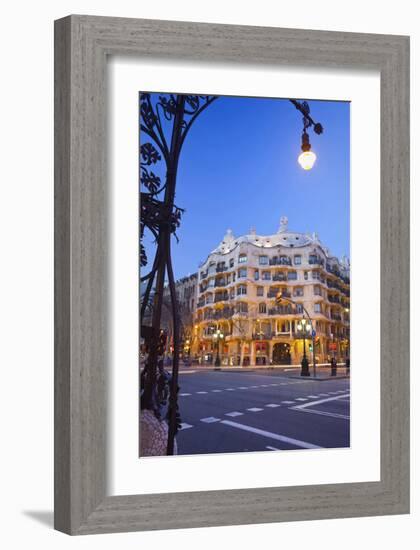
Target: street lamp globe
[[307, 159]]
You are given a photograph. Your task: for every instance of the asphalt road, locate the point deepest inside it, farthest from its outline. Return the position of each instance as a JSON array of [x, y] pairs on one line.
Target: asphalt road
[[226, 412]]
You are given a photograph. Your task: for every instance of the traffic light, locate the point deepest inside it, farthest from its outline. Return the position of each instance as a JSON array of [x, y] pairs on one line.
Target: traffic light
[[310, 347]]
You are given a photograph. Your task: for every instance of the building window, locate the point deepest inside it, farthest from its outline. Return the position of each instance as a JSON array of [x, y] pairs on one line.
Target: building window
[[315, 275], [299, 308], [317, 307], [262, 308], [305, 275], [260, 291], [298, 259], [298, 291], [292, 276], [256, 275], [263, 260], [242, 307], [242, 272], [243, 258], [285, 260], [317, 290], [231, 262], [266, 275], [241, 290], [283, 326]]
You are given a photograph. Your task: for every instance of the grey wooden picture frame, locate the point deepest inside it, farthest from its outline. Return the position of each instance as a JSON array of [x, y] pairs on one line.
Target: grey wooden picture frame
[[82, 45]]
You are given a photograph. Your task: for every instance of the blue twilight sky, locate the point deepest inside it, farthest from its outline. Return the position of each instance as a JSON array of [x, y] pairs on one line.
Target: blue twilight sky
[[238, 168]]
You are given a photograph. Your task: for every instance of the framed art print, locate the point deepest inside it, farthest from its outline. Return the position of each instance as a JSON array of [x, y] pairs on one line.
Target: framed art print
[[231, 275]]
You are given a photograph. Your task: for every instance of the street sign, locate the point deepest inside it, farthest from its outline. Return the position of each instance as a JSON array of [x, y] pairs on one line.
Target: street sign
[[313, 333]]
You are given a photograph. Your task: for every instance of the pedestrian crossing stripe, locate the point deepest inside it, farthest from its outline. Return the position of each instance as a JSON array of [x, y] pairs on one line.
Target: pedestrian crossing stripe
[[210, 419], [185, 426]]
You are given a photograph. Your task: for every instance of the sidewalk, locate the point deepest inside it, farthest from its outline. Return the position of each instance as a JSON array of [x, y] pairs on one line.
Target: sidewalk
[[323, 370]]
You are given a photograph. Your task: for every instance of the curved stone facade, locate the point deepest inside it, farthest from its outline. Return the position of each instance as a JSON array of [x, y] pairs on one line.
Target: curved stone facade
[[237, 288]]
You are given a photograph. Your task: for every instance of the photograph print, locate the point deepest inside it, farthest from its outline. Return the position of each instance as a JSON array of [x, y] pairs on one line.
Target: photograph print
[[244, 274]]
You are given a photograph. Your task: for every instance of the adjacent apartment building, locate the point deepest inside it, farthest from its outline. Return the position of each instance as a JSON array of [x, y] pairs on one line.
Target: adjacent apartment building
[[235, 294]]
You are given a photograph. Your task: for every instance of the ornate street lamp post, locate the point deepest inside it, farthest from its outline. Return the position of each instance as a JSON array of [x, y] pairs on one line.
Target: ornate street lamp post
[[333, 357], [309, 327], [218, 335], [303, 329]]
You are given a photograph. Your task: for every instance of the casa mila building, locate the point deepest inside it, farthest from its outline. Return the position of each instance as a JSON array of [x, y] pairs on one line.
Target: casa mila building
[[237, 299]]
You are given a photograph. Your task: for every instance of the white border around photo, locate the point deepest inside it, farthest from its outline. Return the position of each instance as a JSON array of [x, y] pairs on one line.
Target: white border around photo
[[130, 475]]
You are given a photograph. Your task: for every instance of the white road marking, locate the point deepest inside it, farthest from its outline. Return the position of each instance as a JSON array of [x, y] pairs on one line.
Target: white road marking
[[230, 389], [287, 402], [273, 405], [264, 385], [185, 426], [270, 448], [201, 392], [301, 399], [209, 419], [313, 403], [243, 388], [216, 391], [270, 435], [184, 394], [234, 413], [254, 409], [273, 384], [325, 413], [313, 396]]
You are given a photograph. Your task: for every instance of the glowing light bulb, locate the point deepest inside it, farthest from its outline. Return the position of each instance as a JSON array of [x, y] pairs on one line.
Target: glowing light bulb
[[307, 159]]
